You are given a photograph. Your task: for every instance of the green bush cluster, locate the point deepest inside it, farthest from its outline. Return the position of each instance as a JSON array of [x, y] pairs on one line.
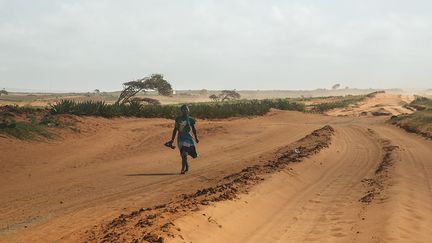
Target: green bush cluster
[[15, 109], [417, 122], [23, 130], [209, 110], [33, 127], [421, 103], [416, 119]]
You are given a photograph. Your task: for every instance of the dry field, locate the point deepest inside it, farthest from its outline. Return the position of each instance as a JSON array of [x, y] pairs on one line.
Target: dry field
[[353, 178], [46, 99]]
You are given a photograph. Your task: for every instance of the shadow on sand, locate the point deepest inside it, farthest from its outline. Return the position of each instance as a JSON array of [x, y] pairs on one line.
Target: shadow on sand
[[153, 174]]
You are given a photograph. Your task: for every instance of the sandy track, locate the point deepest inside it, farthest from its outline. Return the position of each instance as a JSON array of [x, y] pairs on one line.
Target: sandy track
[[318, 200], [59, 190], [405, 213]]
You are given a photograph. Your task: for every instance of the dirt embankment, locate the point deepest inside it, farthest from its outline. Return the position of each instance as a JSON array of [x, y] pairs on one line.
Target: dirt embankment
[[379, 181]]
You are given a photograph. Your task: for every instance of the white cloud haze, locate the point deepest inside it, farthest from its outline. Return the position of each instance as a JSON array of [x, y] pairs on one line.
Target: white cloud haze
[[247, 44]]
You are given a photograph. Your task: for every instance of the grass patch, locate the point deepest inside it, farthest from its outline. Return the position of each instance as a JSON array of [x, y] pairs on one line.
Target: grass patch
[[27, 122], [421, 103], [419, 122], [14, 109], [24, 130]]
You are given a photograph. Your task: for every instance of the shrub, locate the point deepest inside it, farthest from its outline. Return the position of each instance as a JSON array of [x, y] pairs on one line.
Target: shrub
[[418, 122], [225, 95], [421, 103], [63, 107], [23, 130]]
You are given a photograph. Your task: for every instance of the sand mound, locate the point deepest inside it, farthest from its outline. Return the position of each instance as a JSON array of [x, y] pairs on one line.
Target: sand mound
[[380, 105]]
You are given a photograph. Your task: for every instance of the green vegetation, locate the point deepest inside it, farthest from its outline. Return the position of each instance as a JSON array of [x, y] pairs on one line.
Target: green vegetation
[[225, 95], [419, 122], [27, 122], [24, 130], [206, 110], [199, 110], [38, 120], [14, 109], [3, 92], [421, 103], [153, 82]]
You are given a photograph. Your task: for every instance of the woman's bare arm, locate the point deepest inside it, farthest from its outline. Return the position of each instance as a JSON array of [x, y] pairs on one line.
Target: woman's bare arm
[[174, 133], [195, 133]]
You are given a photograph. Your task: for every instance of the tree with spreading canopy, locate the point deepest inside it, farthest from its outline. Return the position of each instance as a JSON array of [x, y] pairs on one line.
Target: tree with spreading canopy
[[154, 82], [214, 97], [229, 95], [225, 95], [336, 86], [3, 92]]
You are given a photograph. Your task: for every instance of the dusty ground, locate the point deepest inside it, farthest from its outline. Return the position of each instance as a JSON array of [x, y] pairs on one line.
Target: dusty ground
[[372, 184]]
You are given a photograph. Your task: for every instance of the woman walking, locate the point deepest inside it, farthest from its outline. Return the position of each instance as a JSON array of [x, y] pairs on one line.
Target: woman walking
[[184, 124]]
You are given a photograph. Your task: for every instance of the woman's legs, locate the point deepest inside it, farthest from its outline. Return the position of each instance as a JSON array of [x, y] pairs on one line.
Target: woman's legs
[[185, 165]]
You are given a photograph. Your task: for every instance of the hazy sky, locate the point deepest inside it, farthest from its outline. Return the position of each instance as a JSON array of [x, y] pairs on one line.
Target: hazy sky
[[248, 44]]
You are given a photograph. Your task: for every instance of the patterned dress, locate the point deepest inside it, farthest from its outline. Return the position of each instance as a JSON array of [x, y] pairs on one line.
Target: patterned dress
[[185, 141]]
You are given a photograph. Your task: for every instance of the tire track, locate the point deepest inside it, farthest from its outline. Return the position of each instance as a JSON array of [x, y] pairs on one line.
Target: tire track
[[406, 211], [320, 205]]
